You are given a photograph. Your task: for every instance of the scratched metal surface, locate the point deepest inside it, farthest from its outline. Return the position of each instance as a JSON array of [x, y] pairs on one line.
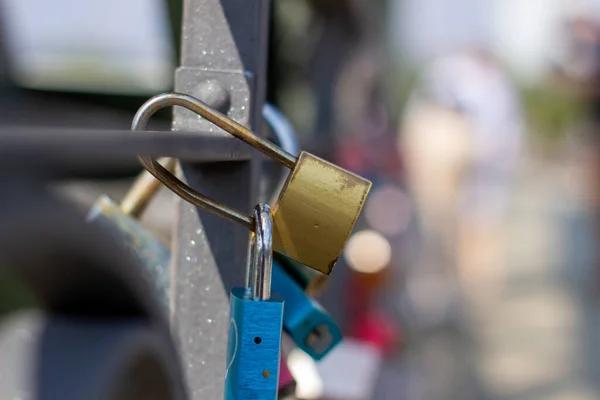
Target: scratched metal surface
[[225, 41]]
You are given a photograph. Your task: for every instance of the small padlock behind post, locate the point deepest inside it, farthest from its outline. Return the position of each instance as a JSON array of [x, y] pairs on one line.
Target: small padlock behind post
[[256, 315], [122, 220]]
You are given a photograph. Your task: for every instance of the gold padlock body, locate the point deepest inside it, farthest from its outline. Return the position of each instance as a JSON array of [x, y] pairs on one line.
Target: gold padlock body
[[316, 212]]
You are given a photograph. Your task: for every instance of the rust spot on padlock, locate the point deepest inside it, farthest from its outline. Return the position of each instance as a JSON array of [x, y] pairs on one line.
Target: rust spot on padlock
[[351, 182], [332, 264]]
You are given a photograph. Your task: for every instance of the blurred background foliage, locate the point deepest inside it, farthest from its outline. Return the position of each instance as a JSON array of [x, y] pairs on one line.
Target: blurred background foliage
[[551, 113]]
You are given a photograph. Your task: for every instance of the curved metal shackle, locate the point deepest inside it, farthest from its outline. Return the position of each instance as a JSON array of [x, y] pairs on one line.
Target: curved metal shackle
[[260, 255], [239, 131]]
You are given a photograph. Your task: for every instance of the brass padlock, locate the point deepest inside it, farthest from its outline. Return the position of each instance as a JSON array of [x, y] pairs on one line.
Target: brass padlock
[[316, 210]]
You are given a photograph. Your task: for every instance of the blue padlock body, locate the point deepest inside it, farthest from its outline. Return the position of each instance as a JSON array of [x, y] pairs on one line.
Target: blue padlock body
[[304, 316], [253, 348], [151, 252]]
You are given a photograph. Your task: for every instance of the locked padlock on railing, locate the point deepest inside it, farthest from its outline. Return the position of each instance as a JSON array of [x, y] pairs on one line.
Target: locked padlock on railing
[[303, 316], [256, 316], [122, 221], [316, 210]]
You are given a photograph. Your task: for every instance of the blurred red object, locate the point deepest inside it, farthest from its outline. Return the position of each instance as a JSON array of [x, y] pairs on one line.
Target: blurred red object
[[362, 290], [287, 384], [366, 155], [377, 329], [353, 156], [367, 324]]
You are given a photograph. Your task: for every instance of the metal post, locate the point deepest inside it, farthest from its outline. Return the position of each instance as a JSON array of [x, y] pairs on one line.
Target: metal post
[[224, 48]]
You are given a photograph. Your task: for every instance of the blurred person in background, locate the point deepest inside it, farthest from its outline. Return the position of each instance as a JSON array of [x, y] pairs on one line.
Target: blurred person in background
[[460, 142], [461, 139], [578, 71]]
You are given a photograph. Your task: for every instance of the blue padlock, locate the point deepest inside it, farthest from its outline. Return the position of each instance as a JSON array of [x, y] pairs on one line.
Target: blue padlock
[[256, 316], [122, 221], [308, 324]]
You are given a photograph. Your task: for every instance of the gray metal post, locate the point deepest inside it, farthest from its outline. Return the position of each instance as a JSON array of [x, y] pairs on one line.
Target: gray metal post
[[224, 48]]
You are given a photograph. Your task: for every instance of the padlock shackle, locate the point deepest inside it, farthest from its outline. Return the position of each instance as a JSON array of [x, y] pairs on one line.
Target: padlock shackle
[[192, 196], [260, 255], [191, 103]]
